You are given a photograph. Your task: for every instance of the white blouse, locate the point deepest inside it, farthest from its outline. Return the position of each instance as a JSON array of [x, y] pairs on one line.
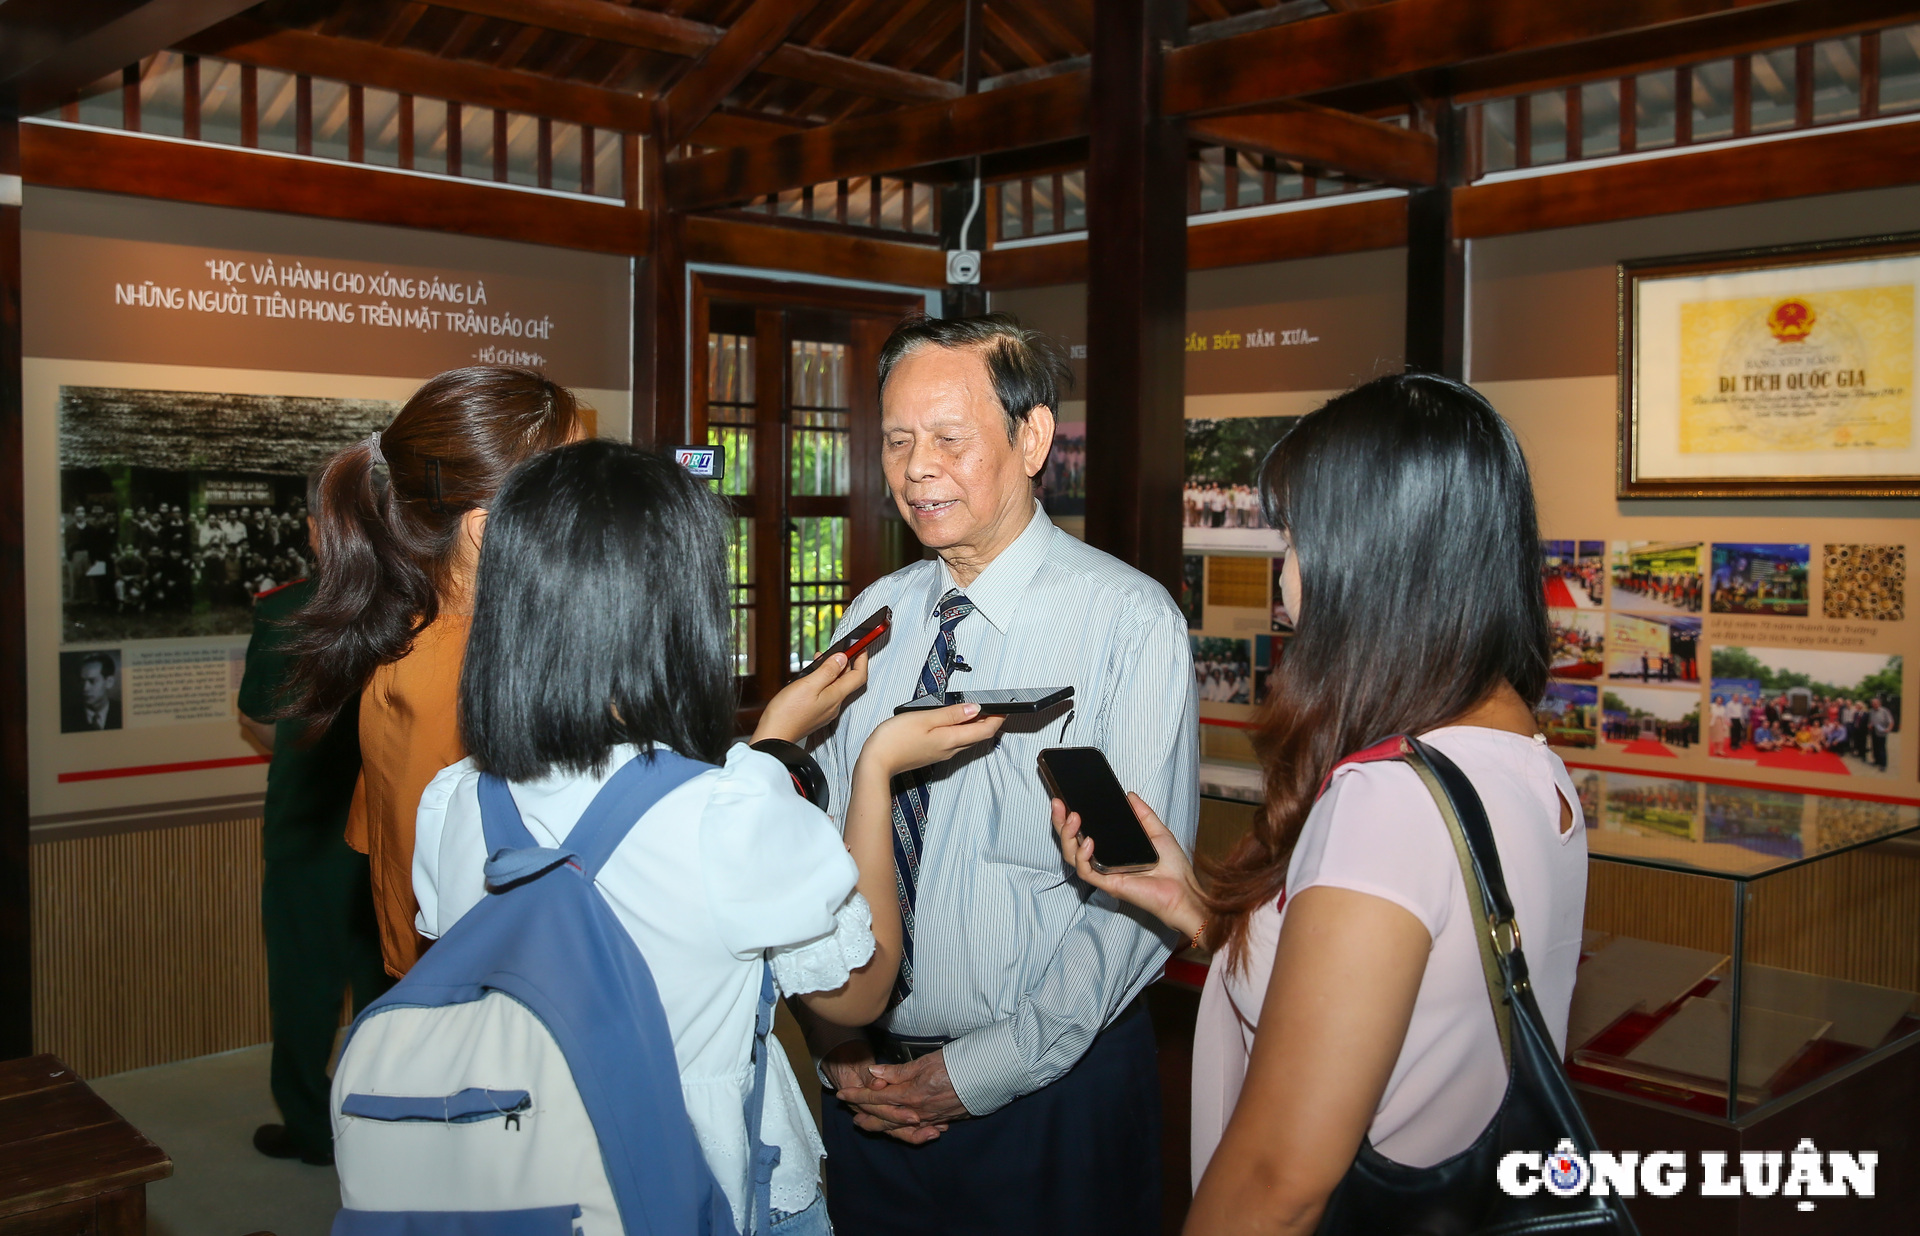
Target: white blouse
[[731, 866]]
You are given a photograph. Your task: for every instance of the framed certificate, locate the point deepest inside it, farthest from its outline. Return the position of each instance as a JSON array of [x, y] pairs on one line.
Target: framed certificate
[[1779, 372]]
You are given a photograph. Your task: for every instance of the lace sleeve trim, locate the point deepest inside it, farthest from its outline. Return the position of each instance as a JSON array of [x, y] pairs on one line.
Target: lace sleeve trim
[[826, 962]]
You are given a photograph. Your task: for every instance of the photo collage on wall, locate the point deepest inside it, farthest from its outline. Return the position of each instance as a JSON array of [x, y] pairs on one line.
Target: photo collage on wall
[[1230, 581], [1644, 663]]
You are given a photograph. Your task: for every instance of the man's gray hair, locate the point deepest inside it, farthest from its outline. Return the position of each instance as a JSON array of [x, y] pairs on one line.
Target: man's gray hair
[[1027, 370]]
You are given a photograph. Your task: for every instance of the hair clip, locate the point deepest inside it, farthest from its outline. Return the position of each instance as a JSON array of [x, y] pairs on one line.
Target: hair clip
[[373, 449]]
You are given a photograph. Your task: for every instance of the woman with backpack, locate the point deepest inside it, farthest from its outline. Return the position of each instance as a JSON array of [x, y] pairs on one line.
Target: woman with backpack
[[601, 634], [1347, 1015]]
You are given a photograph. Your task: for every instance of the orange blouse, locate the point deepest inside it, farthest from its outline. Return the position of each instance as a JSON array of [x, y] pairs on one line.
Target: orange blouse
[[409, 731]]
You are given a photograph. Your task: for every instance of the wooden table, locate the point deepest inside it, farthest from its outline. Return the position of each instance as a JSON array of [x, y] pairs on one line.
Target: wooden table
[[69, 1165]]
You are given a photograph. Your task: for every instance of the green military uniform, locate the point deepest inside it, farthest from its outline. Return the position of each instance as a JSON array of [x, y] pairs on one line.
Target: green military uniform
[[316, 903]]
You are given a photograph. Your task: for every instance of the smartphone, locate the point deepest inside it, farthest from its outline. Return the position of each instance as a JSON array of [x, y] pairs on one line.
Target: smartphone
[[854, 642], [1081, 778], [997, 703]]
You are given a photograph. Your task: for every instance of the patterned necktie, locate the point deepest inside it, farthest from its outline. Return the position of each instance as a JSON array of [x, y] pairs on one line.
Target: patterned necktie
[[910, 789]]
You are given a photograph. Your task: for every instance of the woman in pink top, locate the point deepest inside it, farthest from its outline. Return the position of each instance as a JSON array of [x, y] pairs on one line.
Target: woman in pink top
[[1346, 999]]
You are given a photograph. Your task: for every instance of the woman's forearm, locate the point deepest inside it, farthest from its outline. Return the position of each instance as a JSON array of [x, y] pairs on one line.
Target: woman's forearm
[[869, 839]]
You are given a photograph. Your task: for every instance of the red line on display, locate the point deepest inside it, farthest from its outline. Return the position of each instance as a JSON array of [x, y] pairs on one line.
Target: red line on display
[[149, 770]]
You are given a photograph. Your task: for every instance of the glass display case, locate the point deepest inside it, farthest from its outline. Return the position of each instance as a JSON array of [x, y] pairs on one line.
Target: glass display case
[[1743, 943]]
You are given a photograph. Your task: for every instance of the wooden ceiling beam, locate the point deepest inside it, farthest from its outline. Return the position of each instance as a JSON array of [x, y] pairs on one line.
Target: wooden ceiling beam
[[747, 43], [411, 72], [1322, 137], [49, 52], [733, 128], [678, 36], [1409, 37], [1051, 110]]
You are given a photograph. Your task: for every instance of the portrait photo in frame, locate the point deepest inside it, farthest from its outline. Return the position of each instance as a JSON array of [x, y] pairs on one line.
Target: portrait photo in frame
[[1779, 372]]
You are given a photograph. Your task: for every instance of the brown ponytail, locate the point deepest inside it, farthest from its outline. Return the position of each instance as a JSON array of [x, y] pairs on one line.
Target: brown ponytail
[[389, 517]]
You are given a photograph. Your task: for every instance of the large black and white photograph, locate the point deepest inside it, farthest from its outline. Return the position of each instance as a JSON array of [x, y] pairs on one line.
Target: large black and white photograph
[[177, 507], [1220, 506]]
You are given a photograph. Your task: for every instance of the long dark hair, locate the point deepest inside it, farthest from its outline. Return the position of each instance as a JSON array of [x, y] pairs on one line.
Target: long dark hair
[[1412, 519], [388, 518], [600, 616]]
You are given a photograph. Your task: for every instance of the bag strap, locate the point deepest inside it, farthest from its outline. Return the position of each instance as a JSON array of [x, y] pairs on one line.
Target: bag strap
[[1496, 928], [512, 853], [765, 1157]]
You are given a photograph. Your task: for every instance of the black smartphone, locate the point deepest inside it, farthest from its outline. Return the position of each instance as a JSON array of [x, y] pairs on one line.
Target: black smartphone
[[854, 642], [1081, 778], [994, 703]]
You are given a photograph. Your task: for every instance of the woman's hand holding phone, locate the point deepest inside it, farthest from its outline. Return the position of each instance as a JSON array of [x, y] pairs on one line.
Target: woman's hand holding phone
[[911, 740], [806, 704], [1169, 891]]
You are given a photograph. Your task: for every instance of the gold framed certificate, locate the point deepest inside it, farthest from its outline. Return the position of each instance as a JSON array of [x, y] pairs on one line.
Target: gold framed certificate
[[1783, 372]]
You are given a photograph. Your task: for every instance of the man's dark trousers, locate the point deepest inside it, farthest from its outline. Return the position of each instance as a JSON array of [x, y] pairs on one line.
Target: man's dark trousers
[[1079, 1156], [321, 941]]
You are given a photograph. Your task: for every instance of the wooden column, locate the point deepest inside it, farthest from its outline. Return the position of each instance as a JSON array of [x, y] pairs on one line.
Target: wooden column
[[1136, 290], [16, 950], [1436, 261], [659, 315]]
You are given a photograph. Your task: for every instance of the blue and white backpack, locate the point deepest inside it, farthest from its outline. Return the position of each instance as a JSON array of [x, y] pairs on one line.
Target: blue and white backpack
[[521, 1079]]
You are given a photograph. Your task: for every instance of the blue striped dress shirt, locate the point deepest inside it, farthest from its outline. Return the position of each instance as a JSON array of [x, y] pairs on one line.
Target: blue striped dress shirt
[[1017, 961]]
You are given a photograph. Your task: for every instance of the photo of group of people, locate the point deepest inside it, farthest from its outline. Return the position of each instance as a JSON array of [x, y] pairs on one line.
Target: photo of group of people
[[1063, 483], [1653, 648], [1220, 504], [1650, 806], [178, 507], [1765, 821], [1574, 573], [1806, 710], [1650, 721], [1223, 668], [1579, 642], [1656, 577], [1761, 579]]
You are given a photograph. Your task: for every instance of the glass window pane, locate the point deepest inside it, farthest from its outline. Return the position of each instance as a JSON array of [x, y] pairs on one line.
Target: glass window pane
[[1548, 118], [382, 110], [429, 135], [740, 570], [566, 156], [278, 113], [1043, 221], [1011, 227], [818, 442], [1653, 110], [1496, 136], [1074, 209], [1900, 68], [1252, 187], [161, 80], [330, 119], [792, 204], [1836, 81], [924, 197], [1213, 179], [606, 164], [1773, 86], [101, 103], [892, 205], [1599, 119], [730, 407], [523, 150], [219, 101], [476, 143], [817, 584], [1712, 100]]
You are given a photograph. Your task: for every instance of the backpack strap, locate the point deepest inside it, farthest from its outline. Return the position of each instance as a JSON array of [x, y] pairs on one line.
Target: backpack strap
[[513, 856], [765, 1157], [629, 794]]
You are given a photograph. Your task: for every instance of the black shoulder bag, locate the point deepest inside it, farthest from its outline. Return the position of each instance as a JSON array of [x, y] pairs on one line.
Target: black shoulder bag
[[1461, 1195]]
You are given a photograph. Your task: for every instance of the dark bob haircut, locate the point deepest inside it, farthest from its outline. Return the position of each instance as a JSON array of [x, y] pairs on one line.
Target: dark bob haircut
[[600, 616], [1026, 368], [1411, 514]]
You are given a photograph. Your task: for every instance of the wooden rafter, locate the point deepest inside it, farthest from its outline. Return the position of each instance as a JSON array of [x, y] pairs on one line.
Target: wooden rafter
[[757, 34], [392, 68], [1028, 115], [49, 52], [663, 32], [1322, 137], [1409, 37]]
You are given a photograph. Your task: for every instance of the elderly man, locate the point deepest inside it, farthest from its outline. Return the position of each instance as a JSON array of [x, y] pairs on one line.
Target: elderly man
[[1012, 1087]]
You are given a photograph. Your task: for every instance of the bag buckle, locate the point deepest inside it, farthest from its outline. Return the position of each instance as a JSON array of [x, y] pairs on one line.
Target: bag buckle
[[1510, 944]]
